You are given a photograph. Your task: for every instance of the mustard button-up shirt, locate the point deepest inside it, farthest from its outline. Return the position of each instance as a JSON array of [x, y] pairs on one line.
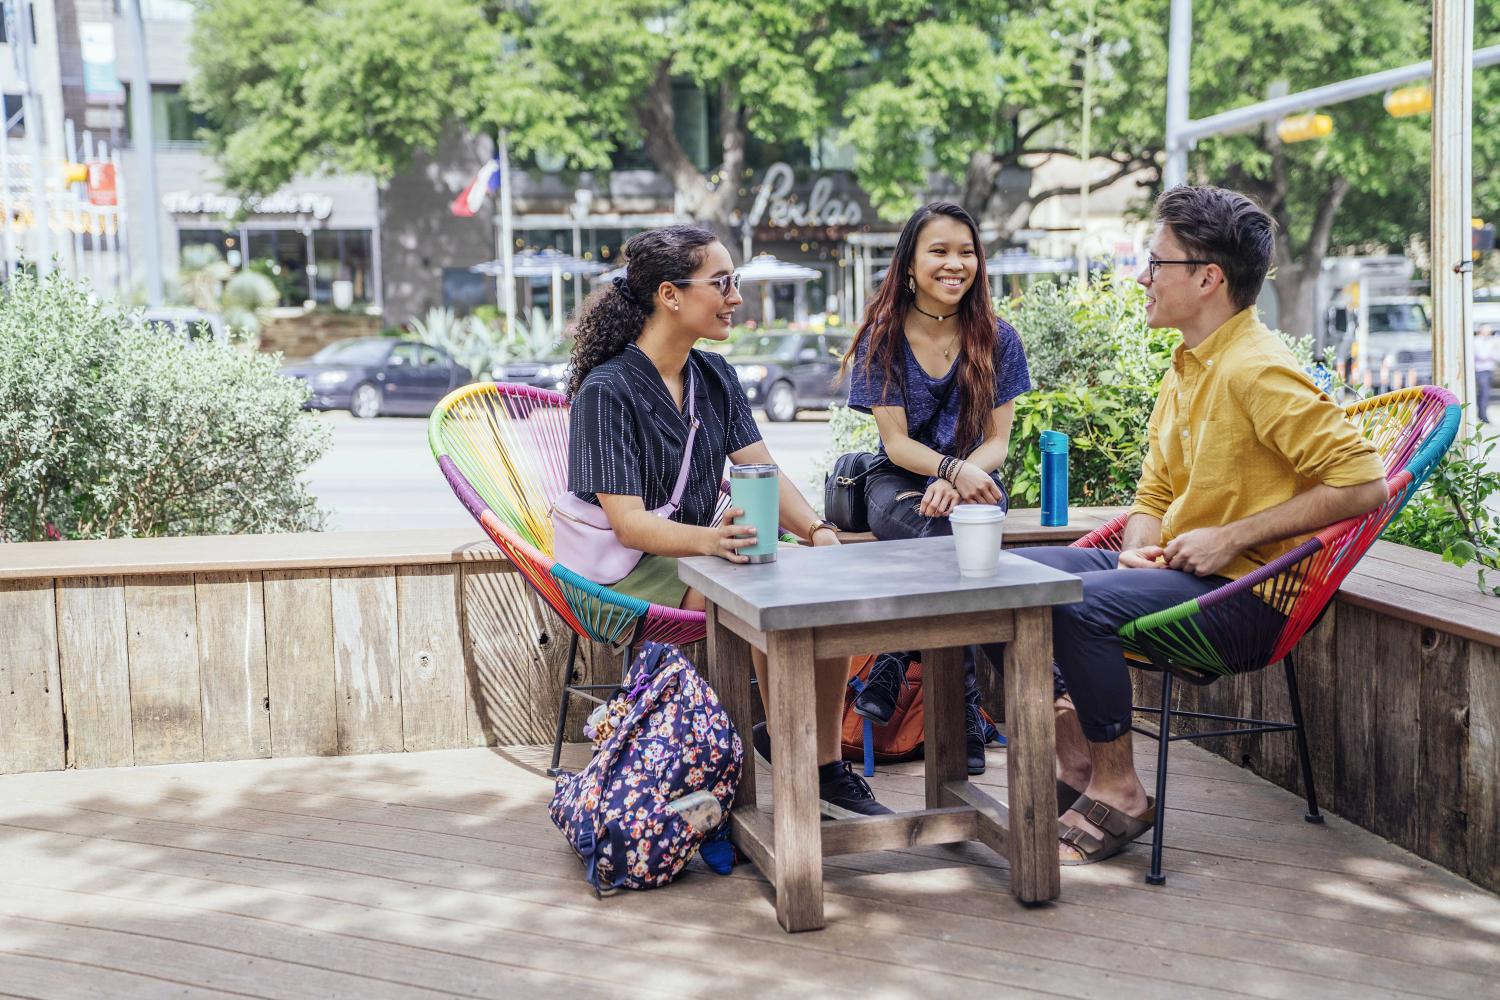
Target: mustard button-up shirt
[[1237, 429]]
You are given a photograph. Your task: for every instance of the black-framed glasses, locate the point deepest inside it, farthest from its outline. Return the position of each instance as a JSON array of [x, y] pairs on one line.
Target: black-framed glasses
[[723, 282], [1152, 263]]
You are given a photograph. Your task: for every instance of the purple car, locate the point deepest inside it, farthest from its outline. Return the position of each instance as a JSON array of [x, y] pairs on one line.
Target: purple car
[[379, 376]]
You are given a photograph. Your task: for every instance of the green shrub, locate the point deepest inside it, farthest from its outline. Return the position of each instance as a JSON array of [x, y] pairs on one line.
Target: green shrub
[[1450, 514], [113, 428]]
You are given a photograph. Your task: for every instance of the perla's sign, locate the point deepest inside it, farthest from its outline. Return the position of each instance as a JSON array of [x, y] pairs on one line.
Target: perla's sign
[[774, 205], [319, 206]]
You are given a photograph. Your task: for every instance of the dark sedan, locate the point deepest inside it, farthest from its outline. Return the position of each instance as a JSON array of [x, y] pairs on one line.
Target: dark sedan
[[379, 376], [542, 373], [787, 372]]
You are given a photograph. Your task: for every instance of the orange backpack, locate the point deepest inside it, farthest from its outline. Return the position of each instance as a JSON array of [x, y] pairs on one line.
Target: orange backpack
[[901, 737]]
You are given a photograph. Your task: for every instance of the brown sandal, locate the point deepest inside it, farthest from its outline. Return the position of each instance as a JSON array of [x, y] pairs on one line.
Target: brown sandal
[[1119, 829], [1066, 796]]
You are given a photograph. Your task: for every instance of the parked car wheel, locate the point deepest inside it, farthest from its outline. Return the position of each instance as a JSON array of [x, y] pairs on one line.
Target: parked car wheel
[[364, 403], [781, 403]]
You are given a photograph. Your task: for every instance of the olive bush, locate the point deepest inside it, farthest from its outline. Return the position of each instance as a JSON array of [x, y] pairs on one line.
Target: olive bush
[[111, 427]]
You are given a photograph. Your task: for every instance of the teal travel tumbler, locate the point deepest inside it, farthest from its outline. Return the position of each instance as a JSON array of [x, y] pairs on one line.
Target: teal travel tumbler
[[756, 490]]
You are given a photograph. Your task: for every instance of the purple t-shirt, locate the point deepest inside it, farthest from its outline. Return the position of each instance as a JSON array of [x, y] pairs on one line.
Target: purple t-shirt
[[921, 394]]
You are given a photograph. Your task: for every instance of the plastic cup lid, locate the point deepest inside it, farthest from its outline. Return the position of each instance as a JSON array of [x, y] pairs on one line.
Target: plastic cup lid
[[976, 513]]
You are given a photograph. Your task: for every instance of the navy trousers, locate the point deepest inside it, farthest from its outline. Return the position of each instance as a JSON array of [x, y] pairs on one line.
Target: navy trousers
[[892, 498], [1088, 654]]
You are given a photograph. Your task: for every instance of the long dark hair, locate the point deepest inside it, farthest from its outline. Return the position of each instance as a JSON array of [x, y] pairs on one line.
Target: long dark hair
[[883, 327], [614, 316]]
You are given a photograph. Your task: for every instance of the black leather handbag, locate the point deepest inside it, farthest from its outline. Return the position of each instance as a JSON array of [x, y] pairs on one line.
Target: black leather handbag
[[844, 490]]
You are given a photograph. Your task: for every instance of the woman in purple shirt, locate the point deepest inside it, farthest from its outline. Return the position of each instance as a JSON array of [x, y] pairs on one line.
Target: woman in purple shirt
[[940, 373]]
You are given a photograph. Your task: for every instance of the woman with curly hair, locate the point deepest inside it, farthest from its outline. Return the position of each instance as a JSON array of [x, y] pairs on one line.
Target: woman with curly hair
[[637, 386], [940, 373]]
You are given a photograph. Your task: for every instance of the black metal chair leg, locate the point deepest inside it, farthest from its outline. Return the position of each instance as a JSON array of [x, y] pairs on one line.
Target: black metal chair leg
[[1312, 816], [1154, 876], [626, 655], [562, 709]]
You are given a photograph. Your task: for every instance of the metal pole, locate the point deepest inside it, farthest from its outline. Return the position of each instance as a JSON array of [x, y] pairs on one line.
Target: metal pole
[[145, 154], [1179, 58], [7, 239], [1452, 194], [31, 103], [1087, 152], [507, 240]]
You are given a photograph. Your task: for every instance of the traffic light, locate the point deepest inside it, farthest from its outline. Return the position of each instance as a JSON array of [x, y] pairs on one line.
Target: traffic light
[[1414, 100], [1301, 128], [75, 173], [1482, 237]]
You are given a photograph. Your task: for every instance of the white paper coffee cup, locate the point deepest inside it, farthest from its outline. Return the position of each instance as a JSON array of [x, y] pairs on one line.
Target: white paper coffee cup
[[978, 531]]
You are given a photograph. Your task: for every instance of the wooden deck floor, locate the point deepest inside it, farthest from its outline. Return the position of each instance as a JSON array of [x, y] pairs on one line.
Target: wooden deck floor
[[439, 874]]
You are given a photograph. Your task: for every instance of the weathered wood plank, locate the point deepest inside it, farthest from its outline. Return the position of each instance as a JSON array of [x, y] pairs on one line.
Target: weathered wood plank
[[728, 669], [1484, 765], [1396, 735], [95, 670], [943, 744], [166, 700], [1031, 723], [793, 724], [503, 664], [367, 673], [31, 721], [432, 663], [232, 665], [1358, 721], [299, 663], [1441, 806]]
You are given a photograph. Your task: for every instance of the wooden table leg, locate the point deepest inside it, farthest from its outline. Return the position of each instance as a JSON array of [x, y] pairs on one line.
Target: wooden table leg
[[728, 671], [1031, 758], [794, 780], [944, 752]]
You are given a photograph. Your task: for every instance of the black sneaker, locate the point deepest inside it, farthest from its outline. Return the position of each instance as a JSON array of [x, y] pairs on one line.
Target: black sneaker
[[846, 795], [877, 702], [976, 735]]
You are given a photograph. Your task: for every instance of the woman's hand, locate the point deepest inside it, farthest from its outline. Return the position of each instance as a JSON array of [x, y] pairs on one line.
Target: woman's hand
[[825, 536], [939, 499], [974, 485], [728, 538]]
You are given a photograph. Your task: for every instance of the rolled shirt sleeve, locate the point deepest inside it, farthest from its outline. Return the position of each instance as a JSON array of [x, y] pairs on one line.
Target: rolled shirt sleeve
[[603, 452], [868, 385]]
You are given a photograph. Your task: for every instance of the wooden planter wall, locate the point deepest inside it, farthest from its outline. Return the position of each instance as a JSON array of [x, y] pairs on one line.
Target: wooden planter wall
[[173, 650], [271, 646]]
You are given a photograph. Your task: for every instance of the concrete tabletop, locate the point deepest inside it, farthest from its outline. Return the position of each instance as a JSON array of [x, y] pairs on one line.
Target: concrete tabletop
[[880, 581]]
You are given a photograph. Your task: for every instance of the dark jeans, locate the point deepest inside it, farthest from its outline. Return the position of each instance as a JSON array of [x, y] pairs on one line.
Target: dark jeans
[[892, 495], [1483, 391], [1088, 655]]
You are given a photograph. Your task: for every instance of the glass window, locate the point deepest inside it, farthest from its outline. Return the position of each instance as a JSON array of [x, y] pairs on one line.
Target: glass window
[[13, 108], [432, 357], [404, 354], [463, 290], [281, 255], [343, 255], [767, 345], [173, 119]]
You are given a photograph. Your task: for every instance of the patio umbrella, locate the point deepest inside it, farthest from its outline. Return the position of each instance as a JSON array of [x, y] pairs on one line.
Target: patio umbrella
[[769, 270], [546, 264]]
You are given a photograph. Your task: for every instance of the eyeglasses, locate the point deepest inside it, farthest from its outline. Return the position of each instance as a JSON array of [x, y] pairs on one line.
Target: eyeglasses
[[1152, 263], [723, 282]]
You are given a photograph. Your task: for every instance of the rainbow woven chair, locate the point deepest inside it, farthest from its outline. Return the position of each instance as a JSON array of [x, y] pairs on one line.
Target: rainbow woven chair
[[504, 451], [1412, 429]]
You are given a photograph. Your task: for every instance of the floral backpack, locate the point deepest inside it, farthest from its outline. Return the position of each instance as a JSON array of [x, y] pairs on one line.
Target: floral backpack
[[665, 769]]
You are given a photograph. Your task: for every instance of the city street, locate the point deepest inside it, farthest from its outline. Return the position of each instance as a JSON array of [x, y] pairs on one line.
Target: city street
[[380, 475]]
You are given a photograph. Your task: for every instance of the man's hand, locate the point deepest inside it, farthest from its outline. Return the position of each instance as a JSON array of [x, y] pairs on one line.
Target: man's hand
[[939, 499], [1145, 557], [1203, 551]]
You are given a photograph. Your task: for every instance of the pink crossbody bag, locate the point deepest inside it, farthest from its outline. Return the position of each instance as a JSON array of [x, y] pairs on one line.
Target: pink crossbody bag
[[582, 539]]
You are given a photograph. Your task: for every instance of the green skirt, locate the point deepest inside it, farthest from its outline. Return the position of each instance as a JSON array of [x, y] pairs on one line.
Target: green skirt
[[654, 579]]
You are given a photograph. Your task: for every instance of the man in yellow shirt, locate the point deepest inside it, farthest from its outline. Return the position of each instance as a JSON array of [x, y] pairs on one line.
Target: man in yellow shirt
[[1246, 459]]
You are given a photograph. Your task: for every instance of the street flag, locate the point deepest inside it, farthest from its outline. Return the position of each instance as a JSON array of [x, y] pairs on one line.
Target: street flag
[[471, 199]]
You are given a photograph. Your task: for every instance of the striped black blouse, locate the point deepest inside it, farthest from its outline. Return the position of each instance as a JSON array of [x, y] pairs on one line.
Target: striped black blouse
[[627, 435]]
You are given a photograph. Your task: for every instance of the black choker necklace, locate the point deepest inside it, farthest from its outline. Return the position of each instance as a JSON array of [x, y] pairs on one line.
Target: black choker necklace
[[929, 315]]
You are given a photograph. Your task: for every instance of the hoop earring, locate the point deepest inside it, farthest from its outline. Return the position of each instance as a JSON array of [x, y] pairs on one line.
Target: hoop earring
[[911, 284]]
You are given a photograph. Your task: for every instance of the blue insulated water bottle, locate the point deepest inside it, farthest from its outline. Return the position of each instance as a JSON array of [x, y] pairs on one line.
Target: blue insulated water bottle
[[1054, 478]]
